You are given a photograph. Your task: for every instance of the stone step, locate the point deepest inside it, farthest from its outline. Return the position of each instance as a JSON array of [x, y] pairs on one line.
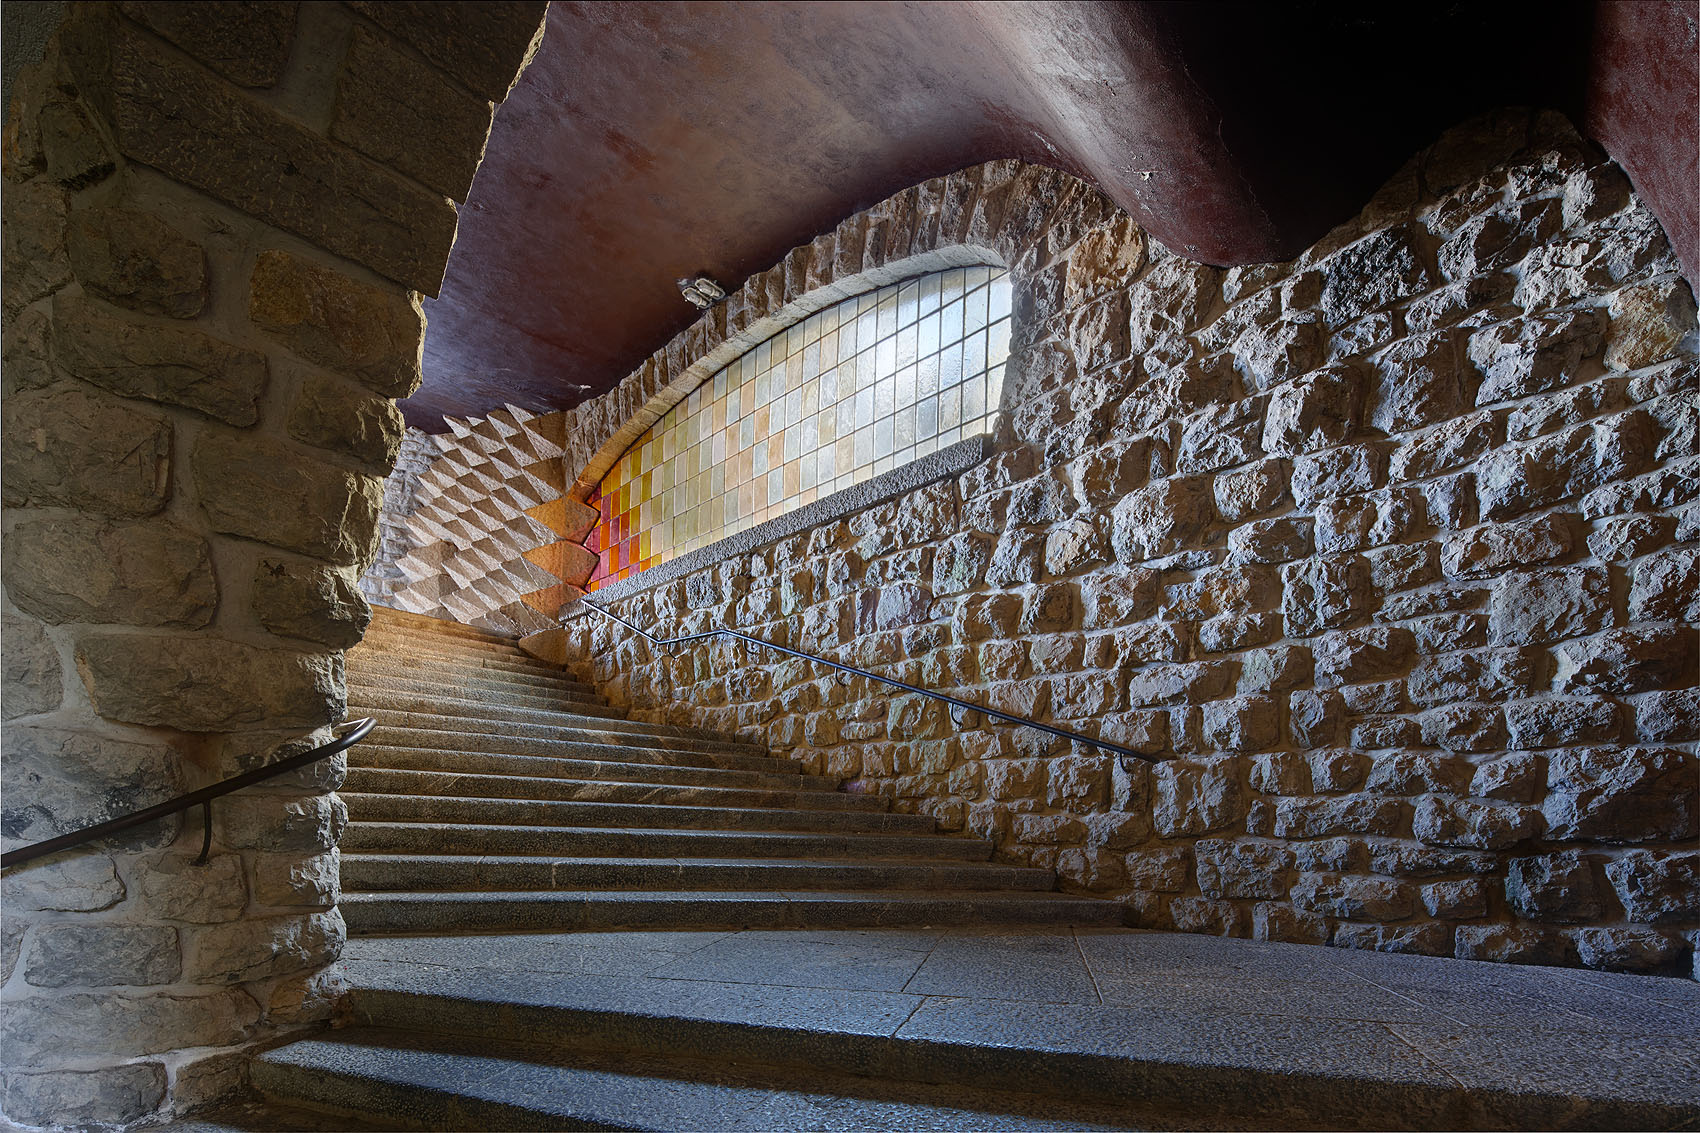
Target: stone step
[[470, 684], [656, 749], [473, 763], [1208, 1068], [568, 729], [571, 714], [473, 691], [553, 709], [584, 910], [535, 812], [388, 618], [385, 634], [599, 841], [515, 672], [445, 784], [439, 1082], [407, 644], [440, 872]]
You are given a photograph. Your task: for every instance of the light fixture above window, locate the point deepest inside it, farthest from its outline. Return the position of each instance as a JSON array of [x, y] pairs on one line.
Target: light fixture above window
[[701, 292]]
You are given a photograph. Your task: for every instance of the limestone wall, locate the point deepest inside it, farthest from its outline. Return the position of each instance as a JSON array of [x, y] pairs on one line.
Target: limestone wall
[[1386, 557], [217, 221]]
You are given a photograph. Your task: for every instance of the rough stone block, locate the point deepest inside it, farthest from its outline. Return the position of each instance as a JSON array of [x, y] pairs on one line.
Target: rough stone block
[[305, 824], [331, 414], [483, 47], [1557, 721], [1449, 445], [1318, 411], [1519, 478], [102, 955], [1220, 436], [1321, 593], [33, 678], [1493, 548], [1514, 944], [32, 243], [1016, 559], [1163, 518], [72, 449], [1375, 272], [1648, 323], [267, 491], [57, 780], [1357, 522], [1618, 794], [1195, 683], [1628, 949], [1278, 350], [1478, 825], [1553, 887], [1355, 898], [1541, 606], [1666, 587], [1110, 471], [267, 946], [1527, 356], [404, 114], [1657, 887], [1255, 490], [1273, 921], [1242, 724], [1627, 660], [247, 44], [1349, 814], [201, 132], [77, 568], [1420, 383], [110, 1096], [369, 333], [1488, 674], [174, 888], [1242, 869], [205, 684], [1349, 657], [136, 260], [65, 1027], [168, 364], [1456, 900], [309, 601], [1337, 472], [1196, 796], [1415, 939]]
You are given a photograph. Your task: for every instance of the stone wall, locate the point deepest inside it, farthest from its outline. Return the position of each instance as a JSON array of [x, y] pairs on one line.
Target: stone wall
[[1385, 558], [217, 221]]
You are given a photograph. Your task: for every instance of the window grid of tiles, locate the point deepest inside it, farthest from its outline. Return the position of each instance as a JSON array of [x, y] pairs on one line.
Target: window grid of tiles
[[851, 392]]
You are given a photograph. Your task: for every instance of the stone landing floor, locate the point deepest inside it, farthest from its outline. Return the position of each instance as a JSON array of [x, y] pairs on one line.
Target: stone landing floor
[[1184, 1001]]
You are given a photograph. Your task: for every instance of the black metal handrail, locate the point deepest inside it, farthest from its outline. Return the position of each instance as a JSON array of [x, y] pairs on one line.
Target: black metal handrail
[[1007, 717], [202, 798]]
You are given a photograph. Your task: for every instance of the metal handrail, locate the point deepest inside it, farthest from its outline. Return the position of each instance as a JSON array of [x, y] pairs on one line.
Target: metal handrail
[[202, 798], [1007, 717]]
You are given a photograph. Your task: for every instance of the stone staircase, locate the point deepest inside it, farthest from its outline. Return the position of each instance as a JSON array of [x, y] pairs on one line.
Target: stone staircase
[[499, 793], [516, 847]]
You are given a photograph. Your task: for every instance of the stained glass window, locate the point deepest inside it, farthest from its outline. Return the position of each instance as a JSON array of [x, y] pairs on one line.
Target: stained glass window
[[853, 391]]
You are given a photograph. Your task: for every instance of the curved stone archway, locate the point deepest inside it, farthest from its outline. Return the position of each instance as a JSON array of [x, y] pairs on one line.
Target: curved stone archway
[[218, 223]]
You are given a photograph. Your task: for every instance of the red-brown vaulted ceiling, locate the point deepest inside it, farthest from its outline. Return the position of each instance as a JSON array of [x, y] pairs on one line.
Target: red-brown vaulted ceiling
[[649, 141]]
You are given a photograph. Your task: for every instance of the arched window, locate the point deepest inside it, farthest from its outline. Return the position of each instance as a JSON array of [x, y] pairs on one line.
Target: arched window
[[853, 391]]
